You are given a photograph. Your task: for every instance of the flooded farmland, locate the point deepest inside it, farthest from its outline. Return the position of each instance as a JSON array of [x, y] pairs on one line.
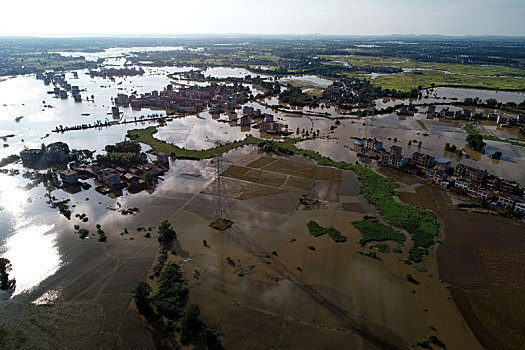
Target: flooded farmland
[[329, 296]]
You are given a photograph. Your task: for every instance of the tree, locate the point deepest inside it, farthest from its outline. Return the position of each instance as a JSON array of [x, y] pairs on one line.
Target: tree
[[475, 141], [5, 268], [166, 233], [491, 102], [141, 296], [190, 322], [150, 179], [496, 155], [59, 146]]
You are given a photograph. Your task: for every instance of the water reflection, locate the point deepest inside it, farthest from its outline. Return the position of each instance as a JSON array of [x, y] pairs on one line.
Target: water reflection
[[34, 255]]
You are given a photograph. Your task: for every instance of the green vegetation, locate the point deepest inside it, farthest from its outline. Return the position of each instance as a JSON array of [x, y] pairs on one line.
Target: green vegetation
[[475, 136], [124, 147], [141, 296], [316, 230], [380, 247], [496, 155], [372, 255], [221, 224], [422, 124], [166, 234], [409, 80], [5, 268], [123, 159], [372, 230], [123, 153], [475, 141], [172, 290], [83, 233], [9, 159], [294, 96], [190, 323]]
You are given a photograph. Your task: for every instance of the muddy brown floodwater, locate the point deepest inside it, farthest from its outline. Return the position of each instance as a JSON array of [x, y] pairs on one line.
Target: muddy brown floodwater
[[482, 258]]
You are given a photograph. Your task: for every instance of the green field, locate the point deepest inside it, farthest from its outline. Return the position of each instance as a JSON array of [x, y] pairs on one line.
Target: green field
[[440, 74]]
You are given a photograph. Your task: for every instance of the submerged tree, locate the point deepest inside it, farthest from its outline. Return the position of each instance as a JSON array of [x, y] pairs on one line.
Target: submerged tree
[[141, 296], [166, 233], [5, 268]]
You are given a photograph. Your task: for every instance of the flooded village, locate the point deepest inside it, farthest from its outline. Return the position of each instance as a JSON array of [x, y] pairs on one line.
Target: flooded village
[[341, 197]]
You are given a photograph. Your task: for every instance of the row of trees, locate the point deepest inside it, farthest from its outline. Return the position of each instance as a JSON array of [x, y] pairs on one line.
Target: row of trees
[[170, 298]]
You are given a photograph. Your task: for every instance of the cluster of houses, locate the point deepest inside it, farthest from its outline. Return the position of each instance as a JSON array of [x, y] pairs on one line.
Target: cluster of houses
[[475, 183], [42, 157], [504, 120], [61, 85], [111, 178], [268, 124], [189, 100], [410, 109], [116, 72], [340, 93]]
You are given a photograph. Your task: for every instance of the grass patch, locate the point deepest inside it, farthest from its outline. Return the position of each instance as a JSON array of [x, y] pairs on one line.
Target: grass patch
[[372, 230], [469, 129], [221, 224], [422, 124], [316, 230]]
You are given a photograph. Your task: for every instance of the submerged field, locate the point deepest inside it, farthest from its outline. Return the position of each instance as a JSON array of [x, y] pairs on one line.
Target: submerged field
[[482, 256]]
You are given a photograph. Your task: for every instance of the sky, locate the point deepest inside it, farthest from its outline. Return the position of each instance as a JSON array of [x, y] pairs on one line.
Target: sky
[[333, 17]]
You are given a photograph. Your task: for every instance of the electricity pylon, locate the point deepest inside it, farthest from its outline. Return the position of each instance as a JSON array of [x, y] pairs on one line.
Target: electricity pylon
[[219, 207]]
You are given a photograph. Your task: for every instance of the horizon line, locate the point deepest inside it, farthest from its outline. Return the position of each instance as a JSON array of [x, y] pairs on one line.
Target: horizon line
[[174, 36]]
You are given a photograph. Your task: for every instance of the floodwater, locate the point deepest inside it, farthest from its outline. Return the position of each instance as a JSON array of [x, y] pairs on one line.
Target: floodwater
[[31, 232], [225, 72], [117, 52], [449, 94], [307, 80]]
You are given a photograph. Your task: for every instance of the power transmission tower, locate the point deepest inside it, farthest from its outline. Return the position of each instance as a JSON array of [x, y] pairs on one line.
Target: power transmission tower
[[219, 209]]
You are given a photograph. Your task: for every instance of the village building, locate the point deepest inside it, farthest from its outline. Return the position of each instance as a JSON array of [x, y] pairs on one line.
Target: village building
[[31, 157], [163, 158], [423, 160], [519, 206], [507, 200], [411, 169], [69, 177], [374, 145], [511, 187], [462, 183], [115, 111], [396, 150], [246, 120], [393, 160]]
